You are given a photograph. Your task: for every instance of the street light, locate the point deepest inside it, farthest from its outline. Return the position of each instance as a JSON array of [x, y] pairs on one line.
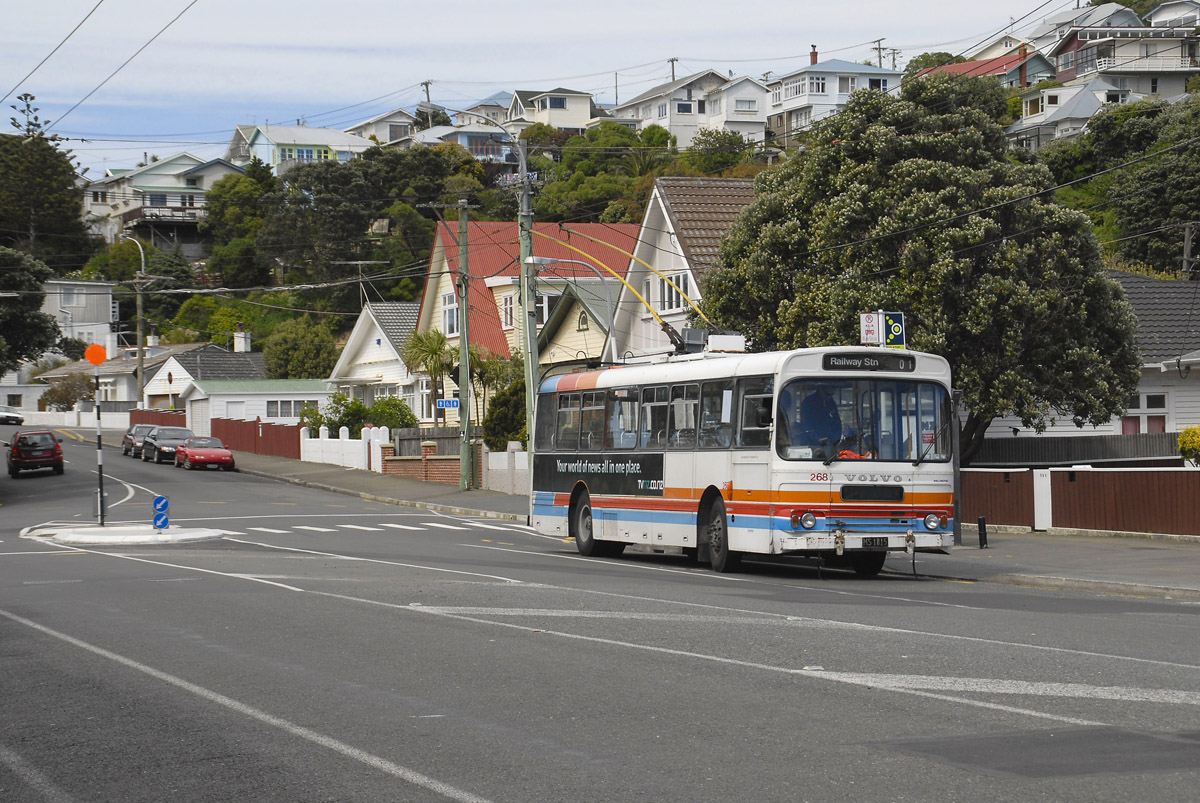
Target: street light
[[141, 380]]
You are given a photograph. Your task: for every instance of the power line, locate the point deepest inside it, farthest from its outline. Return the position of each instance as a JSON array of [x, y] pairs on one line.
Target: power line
[[52, 52]]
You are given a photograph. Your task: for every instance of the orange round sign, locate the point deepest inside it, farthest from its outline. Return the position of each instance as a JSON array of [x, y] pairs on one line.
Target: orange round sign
[[95, 354]]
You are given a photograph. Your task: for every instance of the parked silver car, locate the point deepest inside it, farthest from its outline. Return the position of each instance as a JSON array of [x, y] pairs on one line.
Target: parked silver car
[[11, 415]]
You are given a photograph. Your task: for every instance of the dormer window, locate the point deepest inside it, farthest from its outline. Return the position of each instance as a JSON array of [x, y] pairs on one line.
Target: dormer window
[[191, 182]]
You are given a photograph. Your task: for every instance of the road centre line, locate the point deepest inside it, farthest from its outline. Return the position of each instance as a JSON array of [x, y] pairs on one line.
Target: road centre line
[[396, 770]]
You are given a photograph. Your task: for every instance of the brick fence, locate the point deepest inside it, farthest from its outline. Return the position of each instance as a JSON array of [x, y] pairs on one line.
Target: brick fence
[[429, 467]]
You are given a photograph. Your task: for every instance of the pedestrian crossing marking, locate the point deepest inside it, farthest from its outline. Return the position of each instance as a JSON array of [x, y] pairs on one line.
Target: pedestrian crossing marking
[[269, 530], [359, 527], [401, 526], [446, 526], [315, 529], [490, 526]]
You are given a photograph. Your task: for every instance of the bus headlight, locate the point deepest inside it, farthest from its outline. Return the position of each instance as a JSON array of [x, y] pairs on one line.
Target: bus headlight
[[805, 520], [932, 521]]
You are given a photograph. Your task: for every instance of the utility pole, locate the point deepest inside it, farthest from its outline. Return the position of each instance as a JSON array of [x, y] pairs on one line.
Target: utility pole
[[672, 60], [362, 290], [616, 89], [465, 462], [879, 50], [428, 102], [1188, 262], [893, 52], [528, 295], [138, 283]]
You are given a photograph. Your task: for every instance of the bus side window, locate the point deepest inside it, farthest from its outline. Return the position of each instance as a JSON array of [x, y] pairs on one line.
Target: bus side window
[[567, 431], [684, 401], [754, 421], [622, 419], [543, 426], [591, 430], [654, 418], [716, 415]]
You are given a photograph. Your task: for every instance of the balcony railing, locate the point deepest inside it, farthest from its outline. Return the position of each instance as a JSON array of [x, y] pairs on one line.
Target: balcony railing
[[174, 214], [1145, 64]]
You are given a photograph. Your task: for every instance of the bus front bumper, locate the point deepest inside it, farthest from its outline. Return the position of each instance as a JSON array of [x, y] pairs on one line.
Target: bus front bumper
[[841, 541]]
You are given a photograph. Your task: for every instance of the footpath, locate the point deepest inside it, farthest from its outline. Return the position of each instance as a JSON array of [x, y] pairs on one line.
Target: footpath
[[1153, 565]]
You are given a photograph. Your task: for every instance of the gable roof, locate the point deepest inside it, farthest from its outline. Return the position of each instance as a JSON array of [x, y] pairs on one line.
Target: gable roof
[[397, 320], [127, 363], [1001, 65], [303, 135], [1168, 315], [379, 117], [156, 167], [701, 210], [221, 365], [249, 386], [671, 86], [840, 66]]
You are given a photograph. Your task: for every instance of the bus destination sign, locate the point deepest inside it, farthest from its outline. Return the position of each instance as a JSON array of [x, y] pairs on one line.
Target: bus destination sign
[[869, 361], [626, 473]]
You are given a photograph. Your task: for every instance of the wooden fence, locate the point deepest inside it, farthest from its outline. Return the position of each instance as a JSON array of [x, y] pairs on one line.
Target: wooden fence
[[1003, 497], [161, 418], [257, 437], [408, 440]]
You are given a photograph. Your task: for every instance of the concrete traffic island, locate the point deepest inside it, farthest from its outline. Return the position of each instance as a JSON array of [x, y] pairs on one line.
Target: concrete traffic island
[[118, 534]]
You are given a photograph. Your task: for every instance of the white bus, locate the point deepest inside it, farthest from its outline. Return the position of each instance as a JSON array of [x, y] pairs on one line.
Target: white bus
[[819, 452]]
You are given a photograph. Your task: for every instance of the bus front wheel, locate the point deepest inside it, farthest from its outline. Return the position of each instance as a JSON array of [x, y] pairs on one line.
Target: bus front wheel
[[581, 528], [722, 558], [867, 564]]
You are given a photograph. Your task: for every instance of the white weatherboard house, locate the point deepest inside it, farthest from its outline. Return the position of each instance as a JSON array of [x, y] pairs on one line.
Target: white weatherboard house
[[370, 366], [273, 401], [708, 99]]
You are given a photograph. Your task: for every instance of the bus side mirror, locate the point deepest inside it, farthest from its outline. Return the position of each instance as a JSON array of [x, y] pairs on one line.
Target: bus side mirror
[[764, 417]]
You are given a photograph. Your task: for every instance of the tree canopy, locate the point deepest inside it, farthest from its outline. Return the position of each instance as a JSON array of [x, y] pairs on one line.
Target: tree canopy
[[911, 204], [25, 331], [300, 349]]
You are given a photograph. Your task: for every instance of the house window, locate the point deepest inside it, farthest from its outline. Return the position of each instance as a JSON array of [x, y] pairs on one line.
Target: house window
[[1066, 61], [426, 399], [1052, 100], [1153, 86], [1147, 413], [793, 88], [157, 199], [286, 154], [683, 108], [99, 197], [646, 112], [397, 131], [582, 324], [1033, 106], [816, 85], [285, 408], [449, 314], [191, 182], [847, 84], [69, 299], [647, 296], [506, 310], [14, 399], [714, 106], [662, 110], [305, 155], [544, 303], [745, 105], [877, 83], [776, 94], [187, 200], [671, 298], [483, 146], [558, 103], [1087, 60]]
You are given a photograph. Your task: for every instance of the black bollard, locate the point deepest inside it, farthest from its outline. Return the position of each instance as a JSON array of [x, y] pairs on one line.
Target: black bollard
[[983, 532]]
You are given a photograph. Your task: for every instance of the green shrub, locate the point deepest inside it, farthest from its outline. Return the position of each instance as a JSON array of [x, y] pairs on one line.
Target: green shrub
[[505, 419], [1189, 444], [391, 412]]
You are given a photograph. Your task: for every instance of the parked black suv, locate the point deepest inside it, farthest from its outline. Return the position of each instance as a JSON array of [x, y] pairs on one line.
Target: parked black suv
[[160, 443]]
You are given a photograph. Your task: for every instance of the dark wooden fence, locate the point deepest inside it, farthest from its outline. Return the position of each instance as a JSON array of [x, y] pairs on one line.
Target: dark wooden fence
[[1134, 501], [257, 437], [161, 418], [1004, 497]]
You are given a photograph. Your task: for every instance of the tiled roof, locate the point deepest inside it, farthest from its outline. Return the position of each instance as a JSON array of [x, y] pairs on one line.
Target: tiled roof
[[397, 319], [1168, 314], [701, 211], [493, 250], [128, 364], [222, 365]]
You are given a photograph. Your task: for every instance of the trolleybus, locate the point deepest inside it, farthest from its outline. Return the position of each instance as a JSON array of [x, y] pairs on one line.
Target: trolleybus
[[820, 452]]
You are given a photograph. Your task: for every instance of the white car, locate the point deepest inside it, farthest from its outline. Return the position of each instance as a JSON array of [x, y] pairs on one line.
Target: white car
[[11, 415]]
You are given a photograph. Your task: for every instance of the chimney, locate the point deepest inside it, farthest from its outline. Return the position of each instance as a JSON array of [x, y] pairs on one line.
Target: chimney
[[812, 57], [1024, 78], [241, 340], [152, 338]]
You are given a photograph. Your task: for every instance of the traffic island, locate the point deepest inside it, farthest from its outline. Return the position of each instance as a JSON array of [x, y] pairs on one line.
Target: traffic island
[[119, 535]]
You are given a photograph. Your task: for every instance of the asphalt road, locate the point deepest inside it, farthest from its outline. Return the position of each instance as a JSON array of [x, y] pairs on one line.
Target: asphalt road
[[335, 650]]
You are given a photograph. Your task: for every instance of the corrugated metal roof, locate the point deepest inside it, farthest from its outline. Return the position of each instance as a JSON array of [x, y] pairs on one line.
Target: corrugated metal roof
[[701, 210], [263, 386], [221, 365], [127, 365]]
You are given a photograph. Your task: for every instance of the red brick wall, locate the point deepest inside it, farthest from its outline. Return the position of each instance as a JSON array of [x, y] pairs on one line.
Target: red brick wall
[[427, 468]]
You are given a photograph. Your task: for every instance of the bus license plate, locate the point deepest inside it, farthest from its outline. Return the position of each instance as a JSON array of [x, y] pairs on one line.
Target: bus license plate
[[875, 541]]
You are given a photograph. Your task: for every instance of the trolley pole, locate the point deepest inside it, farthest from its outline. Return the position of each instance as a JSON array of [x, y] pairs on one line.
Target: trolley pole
[[466, 464]]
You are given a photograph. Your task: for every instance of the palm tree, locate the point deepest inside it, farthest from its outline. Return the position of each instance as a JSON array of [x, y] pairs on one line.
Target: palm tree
[[428, 352]]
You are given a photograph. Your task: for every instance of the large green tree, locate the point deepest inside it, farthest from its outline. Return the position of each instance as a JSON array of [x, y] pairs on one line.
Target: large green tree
[[714, 150], [40, 211], [300, 349], [926, 60], [25, 331], [911, 203]]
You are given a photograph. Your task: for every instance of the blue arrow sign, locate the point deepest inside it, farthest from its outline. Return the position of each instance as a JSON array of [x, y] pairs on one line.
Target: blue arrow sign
[[161, 503], [161, 521]]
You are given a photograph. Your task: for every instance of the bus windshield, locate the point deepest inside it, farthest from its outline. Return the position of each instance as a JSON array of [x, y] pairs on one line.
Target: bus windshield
[[863, 419]]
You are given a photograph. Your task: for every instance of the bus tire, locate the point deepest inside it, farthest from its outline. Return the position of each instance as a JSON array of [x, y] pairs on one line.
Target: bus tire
[[867, 564], [580, 526], [722, 558]]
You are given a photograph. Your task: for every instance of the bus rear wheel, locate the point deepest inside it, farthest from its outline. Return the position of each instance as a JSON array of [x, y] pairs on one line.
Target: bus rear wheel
[[867, 564], [722, 558]]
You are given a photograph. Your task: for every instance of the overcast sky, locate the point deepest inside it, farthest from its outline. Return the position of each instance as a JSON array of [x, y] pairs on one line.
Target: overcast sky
[[230, 62]]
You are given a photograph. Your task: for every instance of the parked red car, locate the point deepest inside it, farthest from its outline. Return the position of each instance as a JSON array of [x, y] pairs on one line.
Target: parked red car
[[34, 449], [204, 453]]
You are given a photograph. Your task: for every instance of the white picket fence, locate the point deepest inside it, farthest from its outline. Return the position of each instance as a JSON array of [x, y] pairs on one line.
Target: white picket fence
[[362, 452]]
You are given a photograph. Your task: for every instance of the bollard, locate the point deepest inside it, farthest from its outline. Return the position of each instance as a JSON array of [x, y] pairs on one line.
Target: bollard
[[983, 532]]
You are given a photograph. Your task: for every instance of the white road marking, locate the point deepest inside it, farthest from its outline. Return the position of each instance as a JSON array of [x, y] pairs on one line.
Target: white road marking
[[33, 777], [269, 530], [396, 770], [355, 527], [401, 526], [314, 529], [373, 560], [490, 526], [444, 526]]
